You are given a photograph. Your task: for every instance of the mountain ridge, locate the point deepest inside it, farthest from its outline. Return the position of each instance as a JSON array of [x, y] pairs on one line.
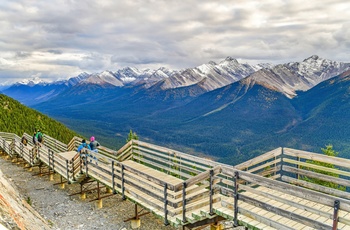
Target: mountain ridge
[[274, 106]]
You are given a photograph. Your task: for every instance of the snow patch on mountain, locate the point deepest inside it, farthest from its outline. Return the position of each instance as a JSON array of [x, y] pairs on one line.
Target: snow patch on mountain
[[75, 80], [210, 76]]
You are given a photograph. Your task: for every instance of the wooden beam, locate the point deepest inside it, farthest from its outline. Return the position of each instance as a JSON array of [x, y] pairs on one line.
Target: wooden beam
[[316, 175], [320, 188], [269, 155], [317, 157], [322, 168]]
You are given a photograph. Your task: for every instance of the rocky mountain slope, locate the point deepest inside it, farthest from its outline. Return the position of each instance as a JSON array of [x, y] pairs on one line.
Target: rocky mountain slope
[[298, 76]]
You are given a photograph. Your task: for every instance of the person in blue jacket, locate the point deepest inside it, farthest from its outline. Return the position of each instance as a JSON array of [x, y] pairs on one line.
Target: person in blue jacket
[[83, 145], [80, 150]]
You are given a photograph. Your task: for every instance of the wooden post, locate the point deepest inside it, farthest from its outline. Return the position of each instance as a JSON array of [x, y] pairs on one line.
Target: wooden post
[[275, 167], [123, 186], [136, 222], [211, 193], [281, 169], [53, 161], [235, 194], [99, 200], [165, 205], [21, 150], [32, 155], [73, 170], [113, 177], [184, 202], [50, 165], [81, 163], [37, 155], [67, 171], [49, 155], [298, 166], [62, 184], [86, 165], [12, 145], [335, 214]]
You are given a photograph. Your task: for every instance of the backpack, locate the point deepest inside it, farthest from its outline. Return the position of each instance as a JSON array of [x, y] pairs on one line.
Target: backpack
[[40, 137], [34, 138], [24, 140]]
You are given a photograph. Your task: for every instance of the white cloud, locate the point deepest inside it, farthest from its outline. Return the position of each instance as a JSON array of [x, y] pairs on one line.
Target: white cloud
[[61, 38]]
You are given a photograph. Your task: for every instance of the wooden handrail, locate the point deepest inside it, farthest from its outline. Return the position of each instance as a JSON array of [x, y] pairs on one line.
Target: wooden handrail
[[196, 179]]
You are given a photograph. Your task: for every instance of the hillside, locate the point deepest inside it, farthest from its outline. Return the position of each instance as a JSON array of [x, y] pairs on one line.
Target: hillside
[[17, 118]]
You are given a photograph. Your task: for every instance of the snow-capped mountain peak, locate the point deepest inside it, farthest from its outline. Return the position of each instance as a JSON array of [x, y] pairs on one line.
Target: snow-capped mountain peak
[[32, 82], [316, 69], [291, 77], [104, 78]]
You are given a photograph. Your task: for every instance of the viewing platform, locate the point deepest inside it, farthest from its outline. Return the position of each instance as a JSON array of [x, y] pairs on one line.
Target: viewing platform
[[268, 192]]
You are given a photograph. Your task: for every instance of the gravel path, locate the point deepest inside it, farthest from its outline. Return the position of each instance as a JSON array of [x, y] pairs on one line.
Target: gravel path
[[65, 212]]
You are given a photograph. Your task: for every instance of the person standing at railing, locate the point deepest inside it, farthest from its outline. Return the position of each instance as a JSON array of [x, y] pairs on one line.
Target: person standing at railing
[[81, 151], [94, 144], [39, 137], [83, 145], [35, 140]]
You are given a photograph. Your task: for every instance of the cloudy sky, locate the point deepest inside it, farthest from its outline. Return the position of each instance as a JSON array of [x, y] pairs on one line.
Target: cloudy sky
[[58, 39]]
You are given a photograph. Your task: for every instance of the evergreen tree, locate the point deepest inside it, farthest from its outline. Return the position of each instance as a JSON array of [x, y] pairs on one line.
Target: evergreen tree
[[132, 136]]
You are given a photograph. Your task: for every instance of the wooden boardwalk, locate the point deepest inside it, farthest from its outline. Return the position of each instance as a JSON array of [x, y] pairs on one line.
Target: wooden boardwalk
[[267, 192]]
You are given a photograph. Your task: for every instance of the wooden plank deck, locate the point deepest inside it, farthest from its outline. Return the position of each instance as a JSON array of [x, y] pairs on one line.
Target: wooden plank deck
[[263, 219], [154, 173], [263, 203], [67, 155]]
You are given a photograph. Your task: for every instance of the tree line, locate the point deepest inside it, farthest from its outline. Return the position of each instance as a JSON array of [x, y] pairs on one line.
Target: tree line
[[17, 118]]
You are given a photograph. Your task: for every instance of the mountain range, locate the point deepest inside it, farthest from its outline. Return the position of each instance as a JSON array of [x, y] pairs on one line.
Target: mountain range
[[229, 111]]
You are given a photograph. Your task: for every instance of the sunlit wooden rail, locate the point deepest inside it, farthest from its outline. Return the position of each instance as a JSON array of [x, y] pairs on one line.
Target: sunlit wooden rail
[[267, 192]]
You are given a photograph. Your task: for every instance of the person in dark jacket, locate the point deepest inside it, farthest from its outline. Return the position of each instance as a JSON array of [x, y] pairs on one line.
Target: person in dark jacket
[[39, 137], [35, 140]]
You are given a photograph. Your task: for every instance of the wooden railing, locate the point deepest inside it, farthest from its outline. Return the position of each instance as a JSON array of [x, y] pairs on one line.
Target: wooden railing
[[173, 185], [169, 161], [155, 190], [297, 165], [6, 143], [267, 164], [55, 145], [272, 188]]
